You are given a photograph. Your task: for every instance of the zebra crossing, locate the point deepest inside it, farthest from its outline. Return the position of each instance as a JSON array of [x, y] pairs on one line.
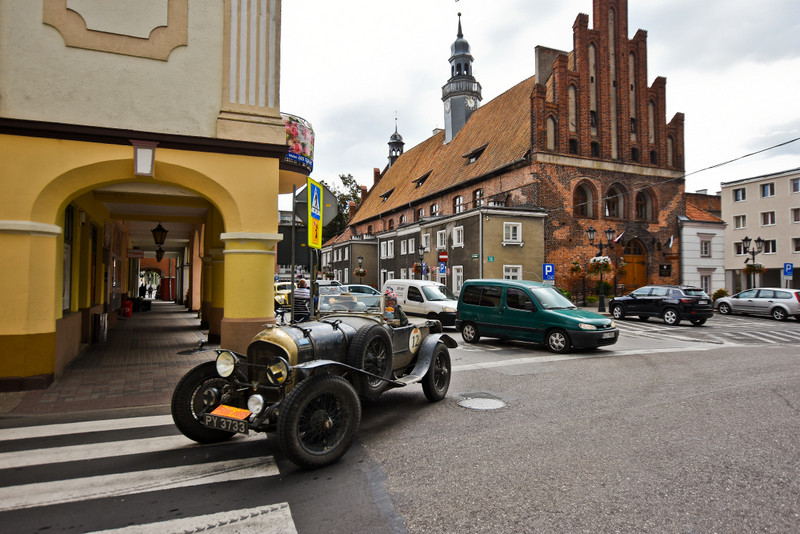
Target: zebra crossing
[[722, 330], [136, 475]]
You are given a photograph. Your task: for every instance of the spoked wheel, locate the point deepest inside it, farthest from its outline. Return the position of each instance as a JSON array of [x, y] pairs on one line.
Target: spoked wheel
[[436, 381], [558, 341], [779, 314], [724, 308], [198, 392], [318, 421], [618, 312], [371, 350]]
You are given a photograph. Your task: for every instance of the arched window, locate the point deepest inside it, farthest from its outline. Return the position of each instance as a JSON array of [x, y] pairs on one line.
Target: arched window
[[644, 206], [572, 108], [583, 201], [670, 151], [551, 133], [614, 203], [458, 204]]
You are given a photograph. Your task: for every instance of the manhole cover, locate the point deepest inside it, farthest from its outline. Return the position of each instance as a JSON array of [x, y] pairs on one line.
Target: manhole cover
[[482, 404]]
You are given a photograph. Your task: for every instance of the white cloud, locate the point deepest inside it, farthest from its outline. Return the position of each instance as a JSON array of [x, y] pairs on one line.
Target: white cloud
[[732, 67]]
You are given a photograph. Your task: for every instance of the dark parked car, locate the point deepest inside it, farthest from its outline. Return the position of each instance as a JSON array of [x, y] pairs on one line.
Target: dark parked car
[[777, 302], [671, 303], [304, 381]]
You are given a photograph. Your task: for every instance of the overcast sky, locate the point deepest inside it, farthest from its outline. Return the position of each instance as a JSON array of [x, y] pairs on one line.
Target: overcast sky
[[732, 67]]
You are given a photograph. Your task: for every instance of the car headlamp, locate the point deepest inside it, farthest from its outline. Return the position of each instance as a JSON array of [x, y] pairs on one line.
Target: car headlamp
[[587, 326], [255, 403], [448, 309], [612, 325], [226, 364], [277, 371]]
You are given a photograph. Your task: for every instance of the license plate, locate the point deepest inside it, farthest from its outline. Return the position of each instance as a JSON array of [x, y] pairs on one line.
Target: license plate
[[228, 418], [608, 335], [702, 302]]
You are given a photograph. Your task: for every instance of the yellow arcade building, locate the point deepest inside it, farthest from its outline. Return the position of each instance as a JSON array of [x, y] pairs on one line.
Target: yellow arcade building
[[116, 117]]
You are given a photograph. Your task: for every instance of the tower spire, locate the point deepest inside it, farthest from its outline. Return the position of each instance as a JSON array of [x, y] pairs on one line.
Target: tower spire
[[461, 94]]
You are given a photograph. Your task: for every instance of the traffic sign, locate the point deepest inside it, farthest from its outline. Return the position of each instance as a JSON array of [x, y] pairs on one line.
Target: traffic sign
[[788, 269], [443, 256], [442, 268], [314, 214], [548, 271]]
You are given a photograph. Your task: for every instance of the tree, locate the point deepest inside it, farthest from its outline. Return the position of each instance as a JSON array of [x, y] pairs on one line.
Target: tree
[[350, 191]]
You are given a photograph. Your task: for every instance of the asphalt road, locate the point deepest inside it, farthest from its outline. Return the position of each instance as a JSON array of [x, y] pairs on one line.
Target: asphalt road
[[683, 429]]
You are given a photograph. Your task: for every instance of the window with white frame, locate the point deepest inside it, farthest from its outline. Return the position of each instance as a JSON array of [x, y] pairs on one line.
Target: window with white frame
[[705, 248], [441, 239], [770, 246], [796, 244], [477, 198], [426, 242], [458, 204], [346, 253], [740, 221], [346, 276], [390, 275], [384, 276], [434, 210], [512, 272], [458, 236], [458, 278], [402, 218], [796, 215], [383, 248], [390, 249], [740, 194], [738, 248], [411, 249], [794, 185], [767, 218], [705, 283], [403, 275], [512, 233], [403, 249], [768, 190]]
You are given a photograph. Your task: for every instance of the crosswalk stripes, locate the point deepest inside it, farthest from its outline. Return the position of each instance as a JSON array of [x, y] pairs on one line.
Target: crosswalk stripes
[[100, 465]]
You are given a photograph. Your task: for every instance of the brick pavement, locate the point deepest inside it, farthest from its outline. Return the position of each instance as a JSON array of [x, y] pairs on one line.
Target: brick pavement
[[138, 365]]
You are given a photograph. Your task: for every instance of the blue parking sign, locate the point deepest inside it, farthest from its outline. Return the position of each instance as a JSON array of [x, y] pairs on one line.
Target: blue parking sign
[[788, 269], [548, 271]]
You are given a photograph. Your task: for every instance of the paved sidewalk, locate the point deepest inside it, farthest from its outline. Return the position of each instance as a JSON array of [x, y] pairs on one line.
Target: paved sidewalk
[[139, 365]]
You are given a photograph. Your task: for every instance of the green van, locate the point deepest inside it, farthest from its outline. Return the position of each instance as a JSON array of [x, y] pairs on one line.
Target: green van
[[529, 311]]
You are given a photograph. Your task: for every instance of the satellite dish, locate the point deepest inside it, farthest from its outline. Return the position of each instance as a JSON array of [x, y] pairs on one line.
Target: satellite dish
[[330, 205]]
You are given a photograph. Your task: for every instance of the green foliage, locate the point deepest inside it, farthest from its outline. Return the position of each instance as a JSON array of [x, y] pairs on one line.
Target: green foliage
[[349, 191], [719, 293], [602, 288]]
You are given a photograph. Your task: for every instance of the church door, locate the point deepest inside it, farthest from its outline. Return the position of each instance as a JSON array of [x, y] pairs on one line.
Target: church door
[[636, 270]]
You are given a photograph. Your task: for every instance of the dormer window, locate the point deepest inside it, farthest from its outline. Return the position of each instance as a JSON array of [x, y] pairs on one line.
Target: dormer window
[[387, 194], [473, 155], [421, 180]]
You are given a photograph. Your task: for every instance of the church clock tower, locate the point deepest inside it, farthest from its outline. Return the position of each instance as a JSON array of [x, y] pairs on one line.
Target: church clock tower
[[461, 94]]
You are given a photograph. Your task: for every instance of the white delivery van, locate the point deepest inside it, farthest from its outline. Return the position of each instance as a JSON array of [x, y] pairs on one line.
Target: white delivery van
[[425, 298]]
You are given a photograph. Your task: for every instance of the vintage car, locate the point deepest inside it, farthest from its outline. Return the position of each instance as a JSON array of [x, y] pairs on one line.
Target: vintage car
[[305, 381]]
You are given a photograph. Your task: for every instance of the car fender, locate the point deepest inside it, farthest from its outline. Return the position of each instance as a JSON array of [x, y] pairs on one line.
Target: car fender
[[425, 357], [316, 364]]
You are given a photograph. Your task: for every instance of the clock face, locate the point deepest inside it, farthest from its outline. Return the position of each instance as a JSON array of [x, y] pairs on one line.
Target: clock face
[[471, 103], [447, 106]]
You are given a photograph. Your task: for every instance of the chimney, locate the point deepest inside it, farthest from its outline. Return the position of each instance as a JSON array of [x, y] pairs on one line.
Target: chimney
[[351, 209], [376, 175], [363, 193]]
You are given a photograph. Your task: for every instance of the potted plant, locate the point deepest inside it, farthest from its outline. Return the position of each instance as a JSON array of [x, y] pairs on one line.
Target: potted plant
[[599, 264], [576, 267], [359, 272], [417, 268], [754, 268]]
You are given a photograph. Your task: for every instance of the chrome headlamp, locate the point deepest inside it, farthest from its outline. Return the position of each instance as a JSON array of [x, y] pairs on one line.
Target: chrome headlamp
[[255, 403], [226, 364], [277, 371], [587, 326]]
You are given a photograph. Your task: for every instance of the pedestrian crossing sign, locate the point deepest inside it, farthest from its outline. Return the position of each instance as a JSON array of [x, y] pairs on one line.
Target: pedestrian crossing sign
[[314, 214]]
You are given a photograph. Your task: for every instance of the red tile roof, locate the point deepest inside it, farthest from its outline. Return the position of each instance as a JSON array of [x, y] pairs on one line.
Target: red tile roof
[[502, 126]]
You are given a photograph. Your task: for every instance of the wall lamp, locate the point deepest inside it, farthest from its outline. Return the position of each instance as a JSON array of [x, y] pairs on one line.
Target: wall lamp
[[144, 157], [159, 254]]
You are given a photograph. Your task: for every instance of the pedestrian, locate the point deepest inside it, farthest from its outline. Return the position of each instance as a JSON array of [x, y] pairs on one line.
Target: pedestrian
[[302, 296], [150, 292], [393, 313], [142, 291]]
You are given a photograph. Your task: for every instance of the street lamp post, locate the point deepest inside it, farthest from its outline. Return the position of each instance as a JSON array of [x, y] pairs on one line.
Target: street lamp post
[[360, 262], [591, 233], [753, 253], [421, 250]]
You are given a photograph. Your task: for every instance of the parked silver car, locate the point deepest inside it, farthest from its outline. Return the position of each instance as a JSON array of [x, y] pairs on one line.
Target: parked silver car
[[778, 302]]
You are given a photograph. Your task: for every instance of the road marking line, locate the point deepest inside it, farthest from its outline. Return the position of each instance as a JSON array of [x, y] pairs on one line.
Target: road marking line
[[94, 451], [272, 519], [756, 336], [42, 431], [119, 484]]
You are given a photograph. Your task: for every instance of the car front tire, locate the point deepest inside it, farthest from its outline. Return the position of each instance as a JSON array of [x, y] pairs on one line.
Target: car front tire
[[558, 341], [318, 421], [436, 381], [618, 312], [698, 322], [724, 308], [371, 351], [198, 392]]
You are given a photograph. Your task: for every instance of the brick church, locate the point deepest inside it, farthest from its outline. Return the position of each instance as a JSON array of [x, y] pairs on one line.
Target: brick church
[[584, 143]]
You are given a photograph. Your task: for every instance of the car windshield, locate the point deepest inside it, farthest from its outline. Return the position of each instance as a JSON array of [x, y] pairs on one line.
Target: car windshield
[[551, 299], [330, 290], [438, 292]]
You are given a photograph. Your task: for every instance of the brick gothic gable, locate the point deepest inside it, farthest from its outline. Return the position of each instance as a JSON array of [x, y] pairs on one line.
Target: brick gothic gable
[[585, 138]]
